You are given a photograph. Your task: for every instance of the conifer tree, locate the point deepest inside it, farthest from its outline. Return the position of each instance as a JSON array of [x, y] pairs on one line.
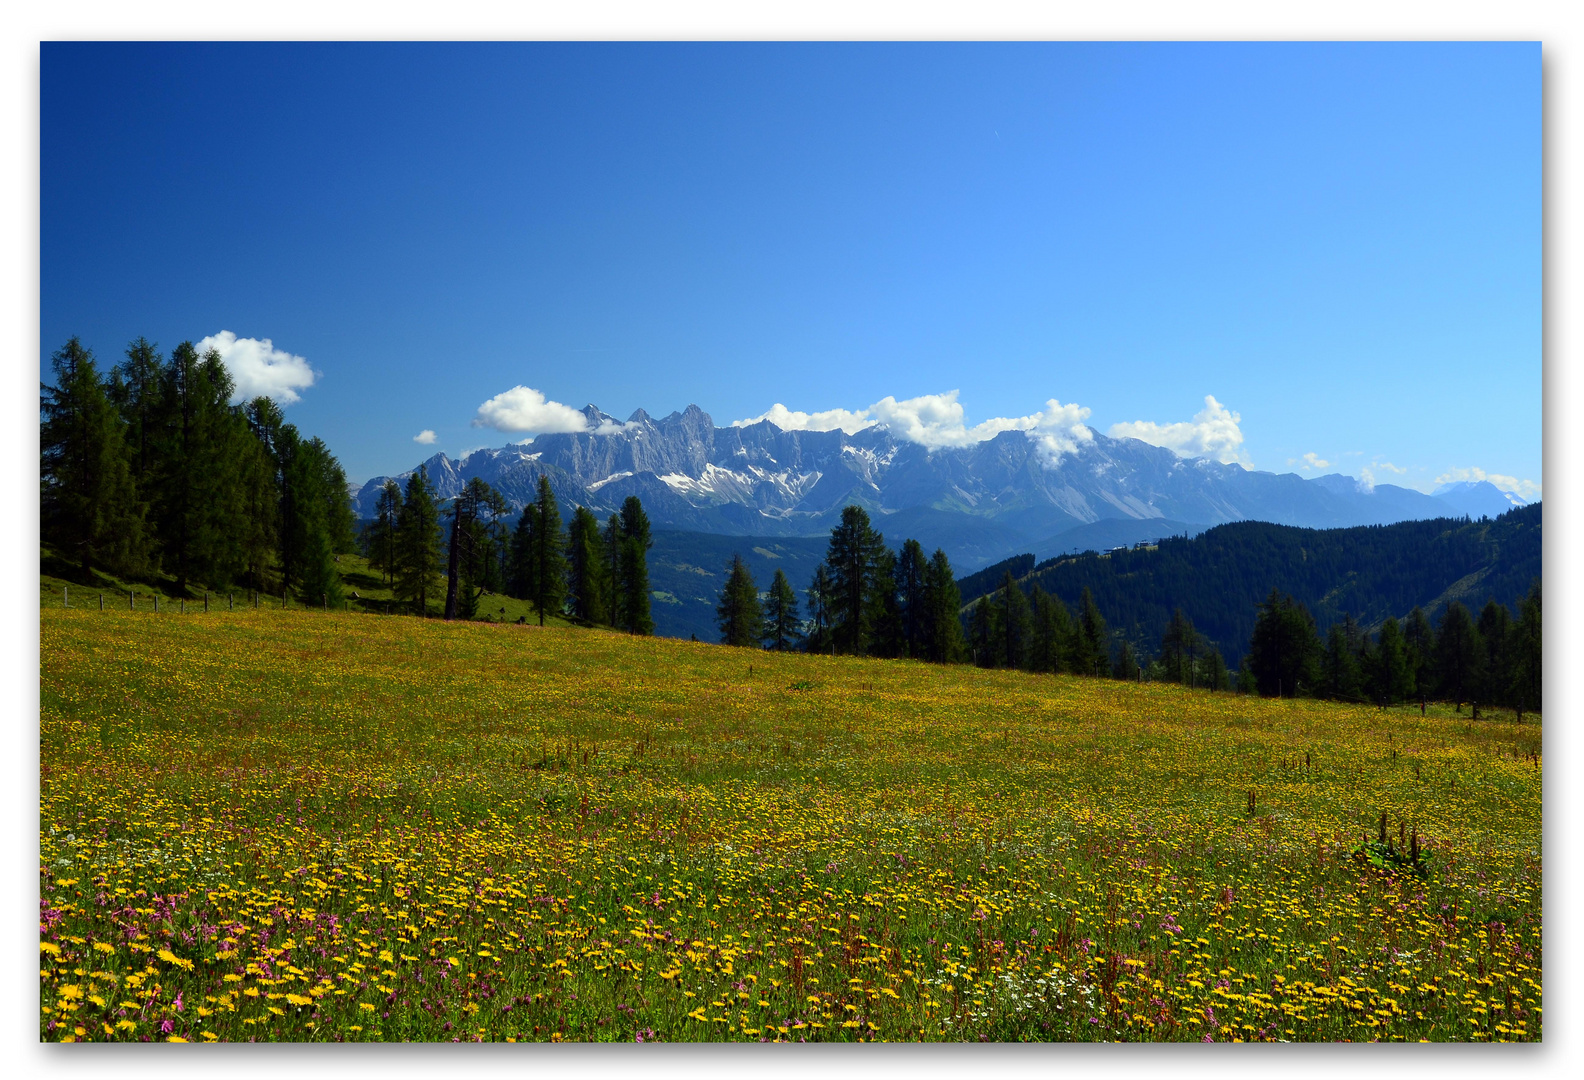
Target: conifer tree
[[634, 569], [1388, 666], [195, 476], [1495, 630], [586, 570], [819, 596], [1341, 678], [738, 612], [1284, 648], [943, 618], [911, 565], [853, 559], [1126, 666], [1459, 655], [520, 560], [87, 500], [1217, 677], [1090, 649], [258, 527], [1419, 641], [612, 541], [981, 632], [886, 636], [1179, 647], [138, 387], [1524, 689], [1014, 624], [547, 547], [1052, 631], [782, 627], [418, 542], [379, 537]]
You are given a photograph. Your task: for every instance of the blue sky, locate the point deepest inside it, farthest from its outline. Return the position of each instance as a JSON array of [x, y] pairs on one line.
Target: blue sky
[[1340, 243]]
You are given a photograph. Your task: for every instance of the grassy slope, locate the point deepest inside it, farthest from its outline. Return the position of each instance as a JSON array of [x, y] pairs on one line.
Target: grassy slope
[[372, 594], [397, 828]]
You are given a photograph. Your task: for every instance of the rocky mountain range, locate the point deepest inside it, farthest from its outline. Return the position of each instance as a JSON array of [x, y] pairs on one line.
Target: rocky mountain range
[[979, 502]]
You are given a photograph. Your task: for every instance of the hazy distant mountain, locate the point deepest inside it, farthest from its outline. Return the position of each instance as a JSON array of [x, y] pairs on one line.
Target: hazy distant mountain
[[979, 502], [1478, 498]]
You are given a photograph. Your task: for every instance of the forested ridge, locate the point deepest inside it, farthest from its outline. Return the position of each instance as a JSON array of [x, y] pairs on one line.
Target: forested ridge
[[1371, 572]]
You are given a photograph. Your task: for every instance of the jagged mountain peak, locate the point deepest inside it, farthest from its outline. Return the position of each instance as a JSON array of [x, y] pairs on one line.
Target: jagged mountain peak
[[760, 479]]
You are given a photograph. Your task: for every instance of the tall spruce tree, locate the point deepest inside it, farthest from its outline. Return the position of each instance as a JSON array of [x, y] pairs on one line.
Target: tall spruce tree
[[138, 389], [1419, 640], [738, 613], [1284, 648], [418, 543], [1052, 631], [853, 558], [1014, 624], [611, 539], [520, 561], [1524, 689], [547, 547], [782, 628], [1090, 650], [911, 567], [942, 607], [1388, 671], [1179, 647], [885, 609], [88, 504], [586, 570], [196, 477], [634, 568], [1459, 655], [1495, 630], [1341, 677]]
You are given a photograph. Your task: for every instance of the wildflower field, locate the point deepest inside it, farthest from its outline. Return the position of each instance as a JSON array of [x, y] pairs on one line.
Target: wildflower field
[[306, 826]]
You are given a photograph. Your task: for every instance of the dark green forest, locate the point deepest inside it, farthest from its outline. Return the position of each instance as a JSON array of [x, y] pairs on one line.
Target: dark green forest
[[1373, 572]]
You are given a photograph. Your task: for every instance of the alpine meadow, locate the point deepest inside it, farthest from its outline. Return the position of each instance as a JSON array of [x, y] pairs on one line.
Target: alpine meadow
[[1081, 579]]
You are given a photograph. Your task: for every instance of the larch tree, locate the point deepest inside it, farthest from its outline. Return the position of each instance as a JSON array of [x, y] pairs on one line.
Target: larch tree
[[88, 501], [418, 543], [738, 612], [782, 627]]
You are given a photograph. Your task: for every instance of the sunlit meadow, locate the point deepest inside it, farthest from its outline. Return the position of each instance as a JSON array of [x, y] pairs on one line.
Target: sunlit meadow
[[306, 826]]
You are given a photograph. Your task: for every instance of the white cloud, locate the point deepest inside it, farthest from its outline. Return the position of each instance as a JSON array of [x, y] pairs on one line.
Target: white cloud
[[1389, 467], [259, 369], [524, 409], [614, 427], [1527, 490], [426, 437], [1212, 433], [1311, 460], [937, 420], [790, 420]]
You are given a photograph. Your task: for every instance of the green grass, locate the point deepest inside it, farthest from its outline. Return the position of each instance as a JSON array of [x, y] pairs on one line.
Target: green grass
[[365, 588], [333, 827]]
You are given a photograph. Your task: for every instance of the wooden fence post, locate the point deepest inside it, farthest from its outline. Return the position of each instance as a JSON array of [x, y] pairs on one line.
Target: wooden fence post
[[65, 596], [229, 605], [101, 601], [181, 606], [131, 599], [156, 603]]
